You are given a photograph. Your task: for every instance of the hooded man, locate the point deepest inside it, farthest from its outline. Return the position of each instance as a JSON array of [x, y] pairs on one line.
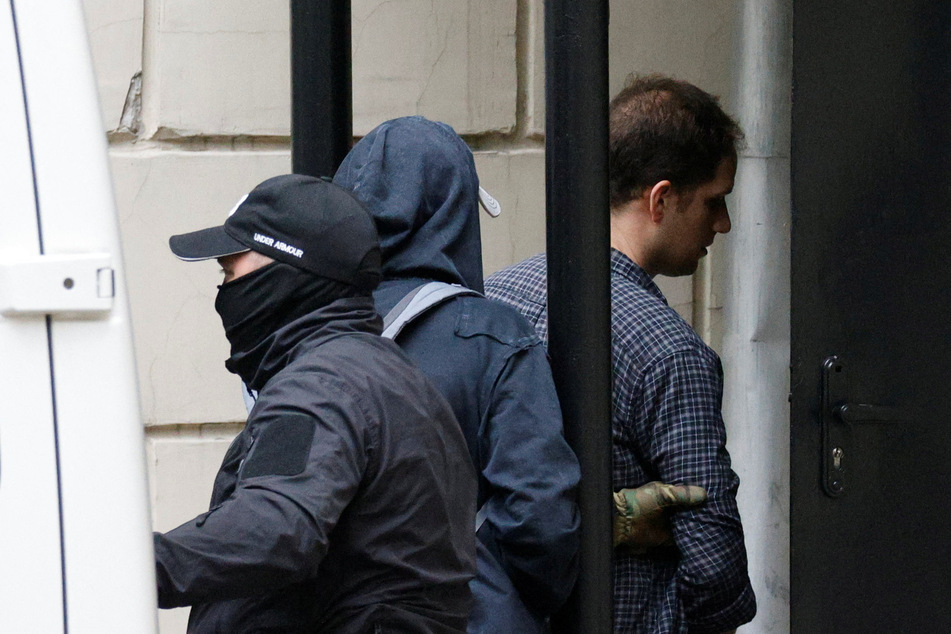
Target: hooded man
[[345, 504], [418, 180]]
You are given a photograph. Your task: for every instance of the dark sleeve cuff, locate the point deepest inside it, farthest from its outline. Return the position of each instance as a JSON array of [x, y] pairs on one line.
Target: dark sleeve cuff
[[740, 611], [162, 580]]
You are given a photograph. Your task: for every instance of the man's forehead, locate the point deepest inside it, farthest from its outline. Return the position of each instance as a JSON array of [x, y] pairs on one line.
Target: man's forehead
[[720, 185]]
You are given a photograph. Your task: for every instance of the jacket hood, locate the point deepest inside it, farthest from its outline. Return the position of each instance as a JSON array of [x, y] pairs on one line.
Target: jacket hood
[[418, 180]]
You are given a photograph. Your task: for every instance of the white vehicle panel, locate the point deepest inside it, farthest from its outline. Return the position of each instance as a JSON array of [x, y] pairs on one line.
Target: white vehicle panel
[[106, 539], [30, 554]]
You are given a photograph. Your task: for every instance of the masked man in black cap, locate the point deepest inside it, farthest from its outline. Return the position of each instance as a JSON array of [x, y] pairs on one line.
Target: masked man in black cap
[[346, 503]]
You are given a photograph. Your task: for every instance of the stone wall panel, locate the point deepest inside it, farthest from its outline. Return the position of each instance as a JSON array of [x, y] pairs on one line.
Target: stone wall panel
[[683, 38], [517, 180], [451, 61], [217, 69], [180, 344], [115, 37]]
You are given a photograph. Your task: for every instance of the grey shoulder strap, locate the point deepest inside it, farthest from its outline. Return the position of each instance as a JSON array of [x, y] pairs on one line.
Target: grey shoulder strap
[[414, 304], [481, 515], [417, 302]]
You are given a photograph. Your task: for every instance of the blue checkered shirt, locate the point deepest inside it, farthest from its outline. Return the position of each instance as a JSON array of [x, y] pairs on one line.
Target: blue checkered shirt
[[667, 426]]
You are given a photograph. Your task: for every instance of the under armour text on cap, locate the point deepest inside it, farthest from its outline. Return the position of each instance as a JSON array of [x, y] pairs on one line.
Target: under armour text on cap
[[300, 220]]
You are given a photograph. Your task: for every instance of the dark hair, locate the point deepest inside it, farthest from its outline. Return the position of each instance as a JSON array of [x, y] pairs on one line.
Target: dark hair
[[666, 129]]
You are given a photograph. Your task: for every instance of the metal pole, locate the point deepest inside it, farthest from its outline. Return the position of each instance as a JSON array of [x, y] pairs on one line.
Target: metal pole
[[579, 294], [321, 93]]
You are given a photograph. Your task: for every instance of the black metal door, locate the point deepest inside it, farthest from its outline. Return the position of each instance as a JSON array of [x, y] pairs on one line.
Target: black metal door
[[871, 317]]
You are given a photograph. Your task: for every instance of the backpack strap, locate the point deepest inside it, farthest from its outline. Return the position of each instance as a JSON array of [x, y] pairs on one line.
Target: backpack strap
[[418, 301], [415, 303], [481, 515]]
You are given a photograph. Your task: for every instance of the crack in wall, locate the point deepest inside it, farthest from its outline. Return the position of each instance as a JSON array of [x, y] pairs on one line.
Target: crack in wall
[[130, 121]]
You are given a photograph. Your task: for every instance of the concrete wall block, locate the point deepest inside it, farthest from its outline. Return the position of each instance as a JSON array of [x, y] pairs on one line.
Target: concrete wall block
[[450, 61], [535, 68], [182, 468], [517, 180], [115, 37], [683, 38], [218, 69], [180, 345], [226, 70], [679, 294]]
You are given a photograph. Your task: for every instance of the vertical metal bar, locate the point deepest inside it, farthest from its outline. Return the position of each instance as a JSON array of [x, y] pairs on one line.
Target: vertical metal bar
[[579, 295], [321, 93]]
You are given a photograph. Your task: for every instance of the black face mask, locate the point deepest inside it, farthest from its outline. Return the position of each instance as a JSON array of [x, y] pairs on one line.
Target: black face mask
[[258, 303]]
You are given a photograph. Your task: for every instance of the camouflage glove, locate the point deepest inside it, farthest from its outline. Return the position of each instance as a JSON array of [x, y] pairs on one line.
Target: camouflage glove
[[642, 521]]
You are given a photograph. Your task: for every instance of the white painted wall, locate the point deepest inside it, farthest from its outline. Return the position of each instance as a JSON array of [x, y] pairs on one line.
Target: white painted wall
[[752, 278], [214, 121]]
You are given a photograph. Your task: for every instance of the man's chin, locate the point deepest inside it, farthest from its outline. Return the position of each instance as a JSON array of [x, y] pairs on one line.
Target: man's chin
[[687, 269]]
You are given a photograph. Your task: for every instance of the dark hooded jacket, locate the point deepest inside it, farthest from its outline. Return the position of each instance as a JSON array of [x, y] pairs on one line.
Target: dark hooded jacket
[[418, 180], [345, 505]]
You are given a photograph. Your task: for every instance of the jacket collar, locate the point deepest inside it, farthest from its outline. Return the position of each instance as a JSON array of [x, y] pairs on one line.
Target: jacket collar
[[341, 317]]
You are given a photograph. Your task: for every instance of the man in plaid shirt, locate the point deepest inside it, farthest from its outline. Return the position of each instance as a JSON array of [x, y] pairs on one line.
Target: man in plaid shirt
[[672, 162]]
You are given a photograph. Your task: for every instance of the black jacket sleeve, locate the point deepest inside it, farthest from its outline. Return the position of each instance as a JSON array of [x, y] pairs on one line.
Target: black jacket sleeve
[[301, 471]]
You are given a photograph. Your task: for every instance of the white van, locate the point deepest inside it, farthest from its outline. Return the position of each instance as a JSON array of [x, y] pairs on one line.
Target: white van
[[75, 543]]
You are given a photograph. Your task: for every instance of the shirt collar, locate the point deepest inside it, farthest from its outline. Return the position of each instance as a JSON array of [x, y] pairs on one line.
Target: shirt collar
[[625, 267]]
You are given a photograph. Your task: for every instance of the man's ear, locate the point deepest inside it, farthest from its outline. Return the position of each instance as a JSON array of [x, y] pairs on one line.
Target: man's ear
[[658, 200]]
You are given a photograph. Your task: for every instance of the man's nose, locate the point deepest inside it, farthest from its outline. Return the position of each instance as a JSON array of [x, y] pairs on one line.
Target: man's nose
[[722, 223]]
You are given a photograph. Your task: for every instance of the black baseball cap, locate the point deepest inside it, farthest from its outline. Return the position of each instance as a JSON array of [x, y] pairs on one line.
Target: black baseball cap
[[303, 221]]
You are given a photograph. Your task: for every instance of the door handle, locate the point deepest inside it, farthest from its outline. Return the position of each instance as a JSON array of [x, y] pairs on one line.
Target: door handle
[[838, 417], [862, 413]]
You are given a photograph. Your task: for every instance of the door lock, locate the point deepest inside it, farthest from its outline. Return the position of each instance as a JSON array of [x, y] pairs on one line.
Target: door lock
[[839, 418], [837, 454]]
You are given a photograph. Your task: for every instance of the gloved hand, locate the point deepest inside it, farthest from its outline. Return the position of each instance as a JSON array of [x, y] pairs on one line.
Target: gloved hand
[[642, 521]]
